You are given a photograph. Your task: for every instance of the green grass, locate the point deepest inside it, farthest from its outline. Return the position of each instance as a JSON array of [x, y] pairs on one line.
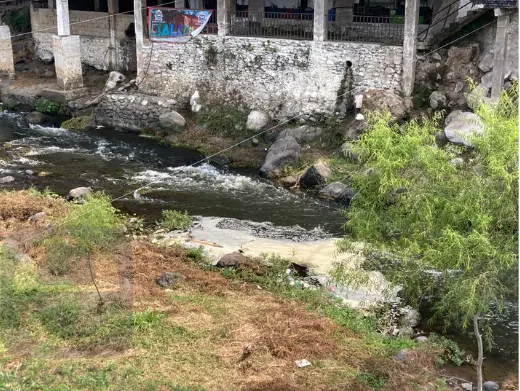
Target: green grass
[[77, 123], [228, 121], [174, 220]]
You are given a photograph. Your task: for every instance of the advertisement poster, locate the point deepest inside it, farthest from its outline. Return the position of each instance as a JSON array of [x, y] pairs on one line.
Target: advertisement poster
[[176, 25]]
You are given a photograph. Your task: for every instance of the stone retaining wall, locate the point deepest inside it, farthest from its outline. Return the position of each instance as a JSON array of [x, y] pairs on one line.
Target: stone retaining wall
[[281, 77], [131, 111]]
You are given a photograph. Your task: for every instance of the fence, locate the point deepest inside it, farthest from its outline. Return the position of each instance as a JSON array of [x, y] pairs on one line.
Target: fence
[[377, 29], [211, 26], [272, 24]]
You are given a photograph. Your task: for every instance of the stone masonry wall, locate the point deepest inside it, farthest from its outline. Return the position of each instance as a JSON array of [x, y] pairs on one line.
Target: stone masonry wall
[[282, 77], [132, 111], [94, 34]]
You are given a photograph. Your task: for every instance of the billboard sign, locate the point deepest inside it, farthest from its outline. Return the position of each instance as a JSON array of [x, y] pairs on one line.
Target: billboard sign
[[176, 25]]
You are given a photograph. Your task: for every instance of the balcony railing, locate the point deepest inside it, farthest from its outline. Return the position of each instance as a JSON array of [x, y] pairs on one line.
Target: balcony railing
[[211, 26], [377, 29], [272, 24]]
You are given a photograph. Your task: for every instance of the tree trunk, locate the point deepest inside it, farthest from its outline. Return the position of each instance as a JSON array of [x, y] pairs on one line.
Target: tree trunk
[[480, 352]]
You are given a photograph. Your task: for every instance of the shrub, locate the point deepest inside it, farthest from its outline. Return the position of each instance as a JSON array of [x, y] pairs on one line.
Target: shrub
[[229, 121], [173, 220], [19, 20], [77, 123], [46, 106]]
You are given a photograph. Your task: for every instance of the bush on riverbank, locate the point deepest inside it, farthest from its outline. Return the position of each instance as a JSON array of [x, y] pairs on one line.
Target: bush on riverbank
[[77, 123], [49, 107], [173, 220]]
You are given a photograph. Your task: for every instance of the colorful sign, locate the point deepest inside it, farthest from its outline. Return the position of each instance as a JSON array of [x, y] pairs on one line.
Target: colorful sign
[[176, 25]]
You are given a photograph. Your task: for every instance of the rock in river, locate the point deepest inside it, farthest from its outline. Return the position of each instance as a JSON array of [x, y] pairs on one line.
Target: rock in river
[[316, 175], [172, 122], [36, 118], [338, 192], [78, 192], [284, 152]]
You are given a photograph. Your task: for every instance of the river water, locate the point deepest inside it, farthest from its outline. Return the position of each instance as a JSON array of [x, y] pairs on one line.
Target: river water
[[118, 163]]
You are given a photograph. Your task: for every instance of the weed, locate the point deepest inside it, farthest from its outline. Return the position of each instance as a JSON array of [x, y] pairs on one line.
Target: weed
[[376, 381], [211, 55], [62, 318], [19, 20], [146, 320], [449, 351], [173, 220], [228, 121], [46, 106], [196, 254]]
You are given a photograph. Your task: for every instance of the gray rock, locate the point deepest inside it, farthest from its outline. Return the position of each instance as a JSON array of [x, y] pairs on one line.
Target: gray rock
[[354, 129], [194, 102], [37, 216], [377, 100], [285, 151], [441, 139], [458, 161], [348, 152], [458, 87], [409, 317], [6, 179], [302, 133], [23, 258], [36, 118], [467, 386], [487, 80], [234, 260], [462, 54], [438, 100], [47, 74], [405, 331], [169, 280], [462, 126], [338, 192], [288, 181], [220, 160], [486, 64], [255, 142], [46, 56], [421, 339], [476, 96], [316, 175], [79, 192], [29, 172], [490, 386], [256, 120], [402, 355], [172, 122], [436, 56]]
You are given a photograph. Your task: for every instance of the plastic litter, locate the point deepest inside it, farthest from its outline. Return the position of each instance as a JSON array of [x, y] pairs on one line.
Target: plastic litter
[[303, 363]]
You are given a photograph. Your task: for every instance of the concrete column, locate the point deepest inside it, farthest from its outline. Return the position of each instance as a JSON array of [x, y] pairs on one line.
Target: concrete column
[[96, 6], [320, 20], [344, 12], [67, 60], [50, 4], [196, 4], [6, 52], [62, 11], [224, 17], [139, 36], [411, 26], [499, 61], [113, 8]]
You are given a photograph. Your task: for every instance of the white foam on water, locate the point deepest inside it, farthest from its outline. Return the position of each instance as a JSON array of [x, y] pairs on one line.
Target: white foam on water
[[49, 129], [27, 161]]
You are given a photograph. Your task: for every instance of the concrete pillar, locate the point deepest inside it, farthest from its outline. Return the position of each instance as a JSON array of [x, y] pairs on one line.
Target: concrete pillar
[[320, 20], [224, 17], [344, 12], [196, 4], [6, 52], [499, 61], [62, 11], [67, 60], [50, 4], [411, 25], [139, 36], [96, 6], [113, 8]]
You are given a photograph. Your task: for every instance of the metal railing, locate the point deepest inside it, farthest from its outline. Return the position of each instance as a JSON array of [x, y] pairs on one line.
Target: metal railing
[[377, 29], [272, 24], [211, 27], [440, 18]]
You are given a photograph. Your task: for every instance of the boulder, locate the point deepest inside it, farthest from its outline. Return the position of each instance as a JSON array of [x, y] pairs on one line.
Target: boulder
[[486, 64], [47, 74], [458, 87], [467, 386], [36, 118], [234, 260], [6, 179], [354, 129], [436, 56], [114, 78], [490, 386], [302, 133], [440, 139], [256, 120], [288, 181], [421, 339], [476, 96], [37, 216], [462, 126], [462, 54], [220, 161], [409, 317], [169, 280], [78, 192], [380, 100], [487, 80], [194, 102], [438, 100], [456, 162], [46, 56], [405, 331], [285, 151], [403, 355], [172, 122], [316, 175], [338, 192]]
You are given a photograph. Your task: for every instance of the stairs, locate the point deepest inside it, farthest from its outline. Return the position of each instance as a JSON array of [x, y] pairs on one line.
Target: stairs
[[450, 18]]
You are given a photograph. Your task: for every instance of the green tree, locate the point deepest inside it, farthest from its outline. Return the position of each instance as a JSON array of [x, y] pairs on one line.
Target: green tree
[[433, 215]]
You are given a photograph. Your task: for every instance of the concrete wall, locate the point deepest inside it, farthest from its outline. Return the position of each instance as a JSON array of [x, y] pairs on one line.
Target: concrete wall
[[281, 77], [95, 37]]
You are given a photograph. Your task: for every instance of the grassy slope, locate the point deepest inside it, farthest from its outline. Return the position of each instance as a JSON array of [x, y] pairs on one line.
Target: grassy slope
[[213, 331]]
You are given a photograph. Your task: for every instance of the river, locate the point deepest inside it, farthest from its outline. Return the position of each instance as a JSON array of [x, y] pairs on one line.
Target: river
[[118, 163]]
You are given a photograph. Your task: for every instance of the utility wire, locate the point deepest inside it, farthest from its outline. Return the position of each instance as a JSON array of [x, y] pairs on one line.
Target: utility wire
[[247, 139]]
